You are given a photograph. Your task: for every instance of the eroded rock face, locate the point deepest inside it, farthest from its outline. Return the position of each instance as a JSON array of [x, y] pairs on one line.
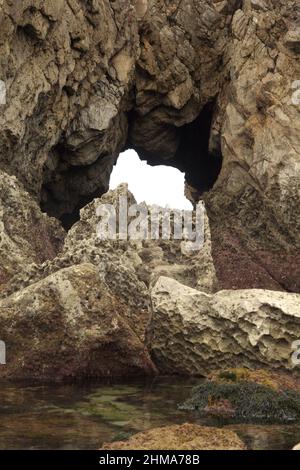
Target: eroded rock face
[[128, 267], [194, 333], [254, 205], [178, 73], [74, 70], [69, 326], [210, 87], [181, 437], [26, 234], [63, 65]]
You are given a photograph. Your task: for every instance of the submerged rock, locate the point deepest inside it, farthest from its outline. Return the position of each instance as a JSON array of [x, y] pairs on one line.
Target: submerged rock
[[70, 326], [193, 333], [180, 437], [245, 395]]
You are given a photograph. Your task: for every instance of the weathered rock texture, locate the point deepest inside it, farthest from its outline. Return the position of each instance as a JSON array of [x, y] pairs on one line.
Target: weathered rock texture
[[66, 66], [148, 259], [204, 85], [194, 333], [129, 266], [69, 326], [85, 313], [26, 234], [181, 437], [211, 87], [255, 202]]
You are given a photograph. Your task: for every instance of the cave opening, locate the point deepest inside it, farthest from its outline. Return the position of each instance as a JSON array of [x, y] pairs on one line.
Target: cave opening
[[156, 185], [198, 152], [196, 161]]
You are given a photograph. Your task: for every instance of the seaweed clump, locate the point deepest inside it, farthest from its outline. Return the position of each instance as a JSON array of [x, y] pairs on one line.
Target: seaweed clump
[[235, 395]]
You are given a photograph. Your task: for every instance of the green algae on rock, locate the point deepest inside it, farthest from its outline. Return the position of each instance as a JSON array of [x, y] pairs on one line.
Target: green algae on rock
[[243, 397]]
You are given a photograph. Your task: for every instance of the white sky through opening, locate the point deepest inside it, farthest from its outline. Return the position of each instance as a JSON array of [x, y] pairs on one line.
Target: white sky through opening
[[161, 185]]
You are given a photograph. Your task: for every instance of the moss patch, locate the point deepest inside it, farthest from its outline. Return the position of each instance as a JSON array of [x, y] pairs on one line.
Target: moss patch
[[236, 394]]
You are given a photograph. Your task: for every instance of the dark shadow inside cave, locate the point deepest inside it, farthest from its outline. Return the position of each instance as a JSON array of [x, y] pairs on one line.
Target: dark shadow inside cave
[[200, 161], [201, 166]]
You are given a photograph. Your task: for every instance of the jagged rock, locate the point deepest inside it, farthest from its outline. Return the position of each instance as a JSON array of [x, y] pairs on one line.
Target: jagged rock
[[206, 85], [127, 266], [254, 204], [59, 65], [26, 234], [181, 437], [69, 326], [146, 258], [194, 333]]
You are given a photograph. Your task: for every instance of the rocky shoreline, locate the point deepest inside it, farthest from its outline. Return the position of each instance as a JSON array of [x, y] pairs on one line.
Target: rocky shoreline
[[209, 87], [104, 308]]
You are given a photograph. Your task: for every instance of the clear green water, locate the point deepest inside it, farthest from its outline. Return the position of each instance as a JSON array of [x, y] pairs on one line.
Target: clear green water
[[86, 416]]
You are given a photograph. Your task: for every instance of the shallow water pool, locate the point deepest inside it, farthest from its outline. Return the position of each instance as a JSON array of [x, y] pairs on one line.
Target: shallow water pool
[[86, 416]]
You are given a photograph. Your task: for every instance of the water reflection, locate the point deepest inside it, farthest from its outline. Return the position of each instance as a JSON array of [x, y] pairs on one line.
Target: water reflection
[[85, 416]]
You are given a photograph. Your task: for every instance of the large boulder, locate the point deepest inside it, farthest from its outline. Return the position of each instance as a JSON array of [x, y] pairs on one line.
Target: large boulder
[[194, 333], [181, 437], [70, 326]]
